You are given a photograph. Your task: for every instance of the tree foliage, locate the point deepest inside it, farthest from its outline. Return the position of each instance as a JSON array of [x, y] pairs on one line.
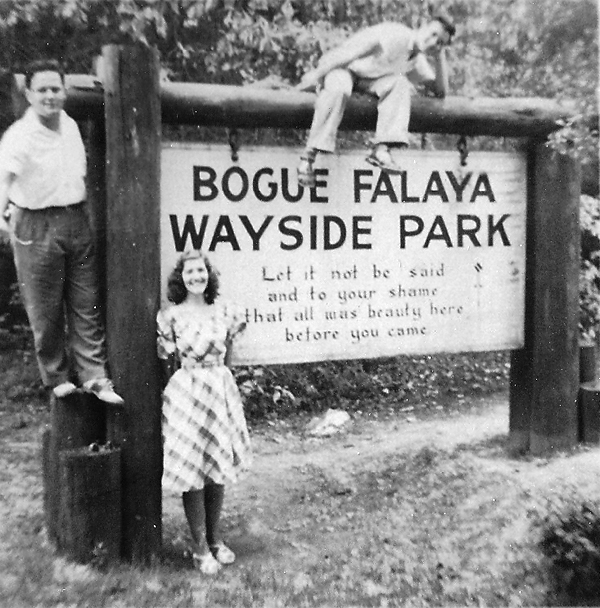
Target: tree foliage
[[503, 47]]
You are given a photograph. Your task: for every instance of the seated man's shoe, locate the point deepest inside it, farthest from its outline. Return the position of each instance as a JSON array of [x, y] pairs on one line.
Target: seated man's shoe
[[64, 389], [381, 157], [103, 389], [306, 173]]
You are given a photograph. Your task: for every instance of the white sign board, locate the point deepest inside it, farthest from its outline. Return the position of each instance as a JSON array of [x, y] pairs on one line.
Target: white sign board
[[363, 265]]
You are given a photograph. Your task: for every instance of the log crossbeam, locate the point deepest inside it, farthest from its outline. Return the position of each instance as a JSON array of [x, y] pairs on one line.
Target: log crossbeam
[[256, 107]]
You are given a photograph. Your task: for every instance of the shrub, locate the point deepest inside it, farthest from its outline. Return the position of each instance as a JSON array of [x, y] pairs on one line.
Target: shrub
[[589, 275], [570, 542], [369, 385]]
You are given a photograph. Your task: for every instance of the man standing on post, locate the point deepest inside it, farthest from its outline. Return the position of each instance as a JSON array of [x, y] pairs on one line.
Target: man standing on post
[[384, 60], [42, 199]]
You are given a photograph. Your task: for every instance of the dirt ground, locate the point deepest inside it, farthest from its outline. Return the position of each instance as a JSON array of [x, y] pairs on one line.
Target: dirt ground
[[281, 457], [408, 509], [290, 466]]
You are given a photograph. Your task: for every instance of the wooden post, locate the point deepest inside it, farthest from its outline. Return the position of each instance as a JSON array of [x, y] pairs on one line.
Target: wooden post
[[589, 412], [96, 149], [133, 129], [521, 369], [96, 191], [545, 375], [7, 93], [587, 362]]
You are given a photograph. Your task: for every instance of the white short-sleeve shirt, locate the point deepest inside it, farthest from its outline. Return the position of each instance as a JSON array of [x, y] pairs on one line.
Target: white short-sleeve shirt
[[395, 56], [49, 166], [395, 43]]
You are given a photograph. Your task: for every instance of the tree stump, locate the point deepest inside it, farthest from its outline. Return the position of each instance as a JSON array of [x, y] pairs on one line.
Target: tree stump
[[89, 523]]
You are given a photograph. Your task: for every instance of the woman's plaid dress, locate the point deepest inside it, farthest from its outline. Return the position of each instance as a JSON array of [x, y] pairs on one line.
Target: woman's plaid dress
[[204, 430]]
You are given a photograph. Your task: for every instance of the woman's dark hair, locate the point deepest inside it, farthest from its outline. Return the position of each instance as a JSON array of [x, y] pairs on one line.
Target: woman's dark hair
[[42, 65], [176, 290]]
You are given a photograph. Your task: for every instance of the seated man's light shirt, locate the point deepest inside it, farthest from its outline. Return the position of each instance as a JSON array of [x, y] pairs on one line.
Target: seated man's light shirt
[[396, 43], [49, 165]]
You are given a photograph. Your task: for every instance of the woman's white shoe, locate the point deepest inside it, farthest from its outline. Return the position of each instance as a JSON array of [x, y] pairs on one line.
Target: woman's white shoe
[[206, 563], [222, 553]]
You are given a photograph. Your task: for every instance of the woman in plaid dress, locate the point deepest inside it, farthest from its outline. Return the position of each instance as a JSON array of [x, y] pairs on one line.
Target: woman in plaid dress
[[205, 436]]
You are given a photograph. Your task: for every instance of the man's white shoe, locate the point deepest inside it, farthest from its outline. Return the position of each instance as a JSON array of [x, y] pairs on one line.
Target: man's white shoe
[[64, 389], [103, 389], [306, 173], [381, 157]]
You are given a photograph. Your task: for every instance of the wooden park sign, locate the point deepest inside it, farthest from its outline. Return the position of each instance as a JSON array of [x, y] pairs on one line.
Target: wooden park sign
[[365, 264], [442, 258], [544, 366]]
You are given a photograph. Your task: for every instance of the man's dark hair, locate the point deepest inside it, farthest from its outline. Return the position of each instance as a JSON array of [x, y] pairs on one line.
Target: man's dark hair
[[446, 21], [42, 65]]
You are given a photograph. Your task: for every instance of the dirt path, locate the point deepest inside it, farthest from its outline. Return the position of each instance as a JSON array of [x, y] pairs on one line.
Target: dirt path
[[278, 457], [364, 440], [281, 458], [290, 470]]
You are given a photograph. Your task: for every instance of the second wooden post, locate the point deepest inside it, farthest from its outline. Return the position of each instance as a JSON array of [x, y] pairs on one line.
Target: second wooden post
[[545, 373], [133, 129]]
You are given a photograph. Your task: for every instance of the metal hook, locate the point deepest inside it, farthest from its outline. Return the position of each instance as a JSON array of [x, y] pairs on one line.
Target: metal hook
[[463, 150], [234, 144]]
